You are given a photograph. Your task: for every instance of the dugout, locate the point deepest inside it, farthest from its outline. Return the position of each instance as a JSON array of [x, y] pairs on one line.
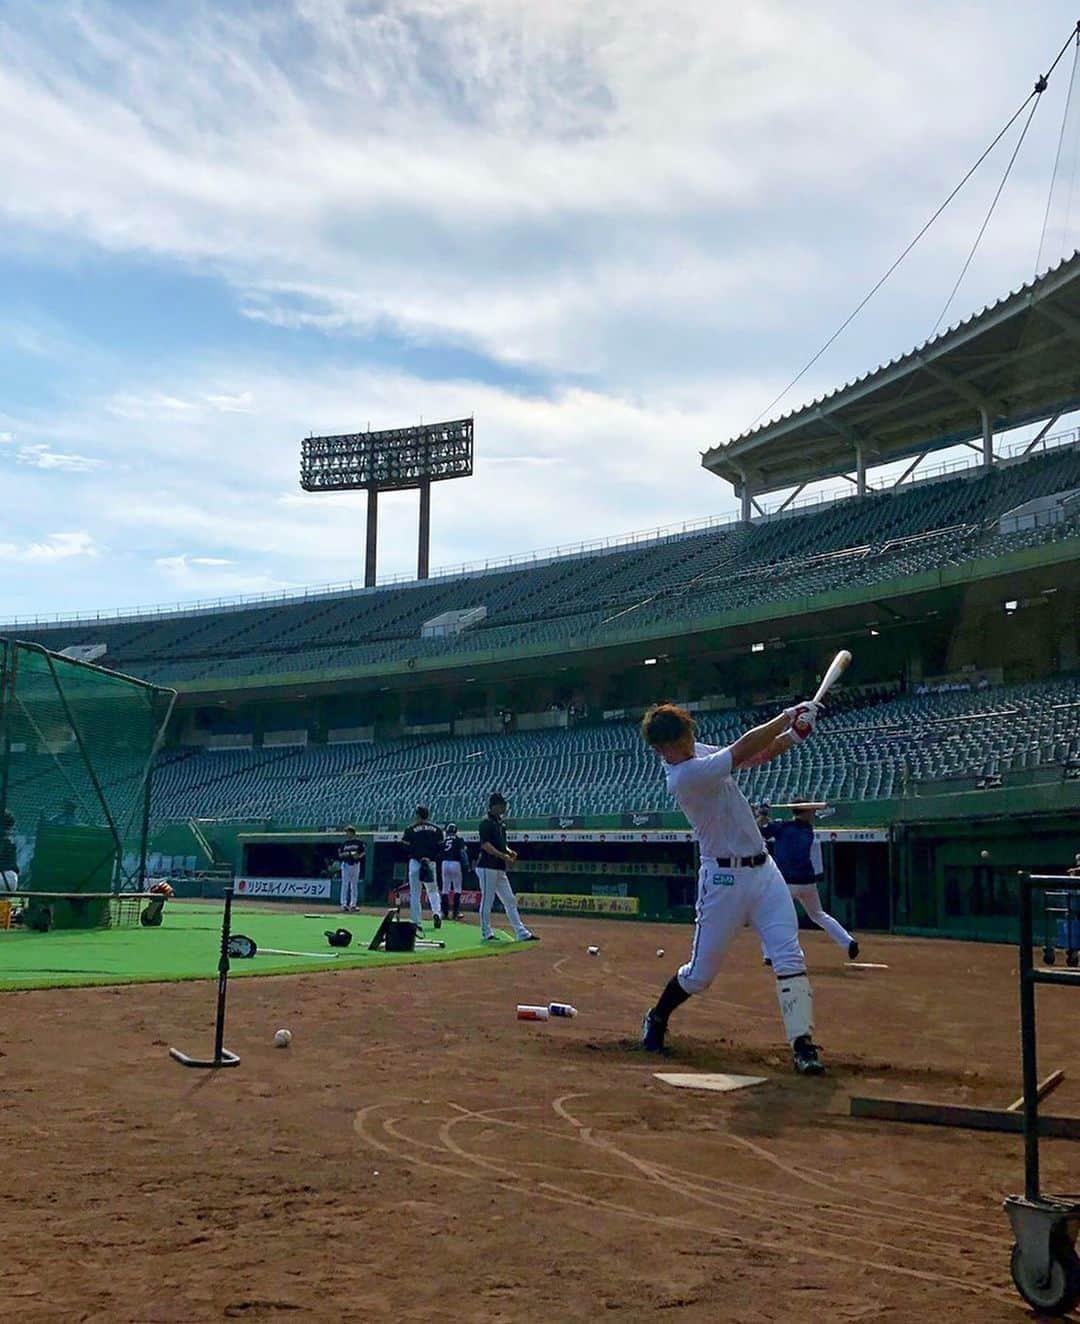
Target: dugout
[[300, 866], [649, 873]]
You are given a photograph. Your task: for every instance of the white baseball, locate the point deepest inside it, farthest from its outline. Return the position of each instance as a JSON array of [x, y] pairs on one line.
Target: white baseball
[[659, 951], [283, 1038], [593, 951]]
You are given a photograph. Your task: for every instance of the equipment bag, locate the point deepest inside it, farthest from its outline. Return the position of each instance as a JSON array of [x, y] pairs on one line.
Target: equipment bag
[[401, 936]]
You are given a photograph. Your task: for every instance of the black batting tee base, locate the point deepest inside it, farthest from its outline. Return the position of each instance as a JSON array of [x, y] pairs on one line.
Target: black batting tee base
[[222, 1057]]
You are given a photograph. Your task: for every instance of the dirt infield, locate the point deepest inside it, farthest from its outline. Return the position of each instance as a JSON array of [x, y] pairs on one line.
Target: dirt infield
[[418, 1154]]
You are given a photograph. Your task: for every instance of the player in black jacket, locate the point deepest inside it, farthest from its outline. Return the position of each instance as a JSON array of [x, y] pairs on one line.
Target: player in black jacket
[[424, 841], [455, 864], [351, 855], [495, 856]]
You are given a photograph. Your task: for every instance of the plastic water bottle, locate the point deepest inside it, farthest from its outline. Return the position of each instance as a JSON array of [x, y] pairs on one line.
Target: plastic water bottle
[[526, 1013], [561, 1009]]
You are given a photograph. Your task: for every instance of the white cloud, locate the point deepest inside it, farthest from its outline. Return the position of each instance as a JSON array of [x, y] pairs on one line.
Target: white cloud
[[561, 185], [657, 211], [195, 576], [40, 456], [54, 547]]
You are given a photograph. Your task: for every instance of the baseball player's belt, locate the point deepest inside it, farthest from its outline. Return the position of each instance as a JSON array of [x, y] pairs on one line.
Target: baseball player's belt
[[742, 861]]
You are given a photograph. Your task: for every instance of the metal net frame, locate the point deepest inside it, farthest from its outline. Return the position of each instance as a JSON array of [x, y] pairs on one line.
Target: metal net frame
[[77, 747]]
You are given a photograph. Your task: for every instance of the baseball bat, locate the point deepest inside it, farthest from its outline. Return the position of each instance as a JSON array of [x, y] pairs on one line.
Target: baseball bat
[[837, 667]]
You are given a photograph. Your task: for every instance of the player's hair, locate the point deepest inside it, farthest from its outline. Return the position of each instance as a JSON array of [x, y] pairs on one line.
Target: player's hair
[[421, 811], [496, 798], [664, 723]]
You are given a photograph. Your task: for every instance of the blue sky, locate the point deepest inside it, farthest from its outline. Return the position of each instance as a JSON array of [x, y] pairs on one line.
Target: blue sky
[[611, 231]]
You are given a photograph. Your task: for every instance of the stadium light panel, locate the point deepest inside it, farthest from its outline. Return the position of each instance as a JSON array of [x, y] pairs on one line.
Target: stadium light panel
[[390, 461]]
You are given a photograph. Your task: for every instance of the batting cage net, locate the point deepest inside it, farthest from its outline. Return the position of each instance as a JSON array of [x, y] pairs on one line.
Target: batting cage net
[[77, 745]]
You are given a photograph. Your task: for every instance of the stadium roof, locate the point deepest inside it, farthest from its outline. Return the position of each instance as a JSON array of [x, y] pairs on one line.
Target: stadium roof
[[1016, 362]]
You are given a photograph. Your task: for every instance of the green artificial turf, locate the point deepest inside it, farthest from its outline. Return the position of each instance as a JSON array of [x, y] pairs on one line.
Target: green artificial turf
[[188, 943]]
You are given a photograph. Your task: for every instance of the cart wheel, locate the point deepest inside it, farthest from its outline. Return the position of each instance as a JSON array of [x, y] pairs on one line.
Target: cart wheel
[[1048, 955], [1061, 1290], [1072, 958]]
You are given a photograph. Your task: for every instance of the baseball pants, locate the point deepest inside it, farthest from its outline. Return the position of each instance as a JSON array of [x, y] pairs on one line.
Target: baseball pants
[[350, 885], [415, 913], [729, 899], [810, 900], [494, 883], [451, 877]]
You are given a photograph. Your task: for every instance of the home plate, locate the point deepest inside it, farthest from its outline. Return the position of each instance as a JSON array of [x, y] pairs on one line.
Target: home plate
[[865, 965], [703, 1080]]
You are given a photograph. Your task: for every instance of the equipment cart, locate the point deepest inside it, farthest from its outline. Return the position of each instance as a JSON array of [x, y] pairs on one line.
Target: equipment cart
[[1044, 1264]]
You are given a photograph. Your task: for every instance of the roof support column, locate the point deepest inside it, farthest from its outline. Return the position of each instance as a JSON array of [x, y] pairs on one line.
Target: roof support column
[[860, 469], [988, 438], [746, 499]]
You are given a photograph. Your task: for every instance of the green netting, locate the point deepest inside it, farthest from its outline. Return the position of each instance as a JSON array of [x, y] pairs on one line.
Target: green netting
[[76, 748]]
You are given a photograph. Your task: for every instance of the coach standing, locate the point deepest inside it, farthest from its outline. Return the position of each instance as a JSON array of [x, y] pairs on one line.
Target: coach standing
[[798, 855], [351, 855], [424, 841], [495, 855]]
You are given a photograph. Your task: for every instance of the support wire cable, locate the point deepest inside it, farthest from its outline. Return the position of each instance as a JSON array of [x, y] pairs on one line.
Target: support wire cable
[[1040, 87], [1057, 155], [990, 212]]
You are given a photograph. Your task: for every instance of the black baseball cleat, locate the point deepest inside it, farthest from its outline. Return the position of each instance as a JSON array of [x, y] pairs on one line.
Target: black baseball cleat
[[852, 950], [653, 1030], [807, 1060], [437, 921]]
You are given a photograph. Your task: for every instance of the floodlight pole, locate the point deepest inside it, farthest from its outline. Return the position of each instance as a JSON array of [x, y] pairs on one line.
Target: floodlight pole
[[424, 550], [394, 460], [372, 536]]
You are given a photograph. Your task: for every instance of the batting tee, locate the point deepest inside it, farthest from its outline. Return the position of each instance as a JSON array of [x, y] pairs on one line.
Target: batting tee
[[77, 745]]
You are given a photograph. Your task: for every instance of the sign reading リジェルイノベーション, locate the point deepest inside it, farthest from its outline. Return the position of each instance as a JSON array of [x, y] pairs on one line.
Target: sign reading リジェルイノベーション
[[313, 889]]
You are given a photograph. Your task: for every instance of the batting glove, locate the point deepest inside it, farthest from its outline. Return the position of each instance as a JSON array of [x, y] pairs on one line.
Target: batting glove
[[804, 719]]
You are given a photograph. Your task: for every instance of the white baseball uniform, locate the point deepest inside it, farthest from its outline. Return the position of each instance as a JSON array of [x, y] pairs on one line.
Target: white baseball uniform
[[731, 892], [432, 889], [451, 876], [494, 883], [350, 885], [350, 853]]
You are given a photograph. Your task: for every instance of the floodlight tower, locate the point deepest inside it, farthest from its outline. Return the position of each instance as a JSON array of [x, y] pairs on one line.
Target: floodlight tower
[[390, 461]]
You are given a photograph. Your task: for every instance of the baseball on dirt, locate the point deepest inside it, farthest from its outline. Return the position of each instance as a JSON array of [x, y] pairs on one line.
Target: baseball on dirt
[[659, 951], [593, 951], [283, 1038]]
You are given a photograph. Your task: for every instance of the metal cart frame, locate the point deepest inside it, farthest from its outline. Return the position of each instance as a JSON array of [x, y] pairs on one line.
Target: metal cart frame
[[1044, 1263]]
